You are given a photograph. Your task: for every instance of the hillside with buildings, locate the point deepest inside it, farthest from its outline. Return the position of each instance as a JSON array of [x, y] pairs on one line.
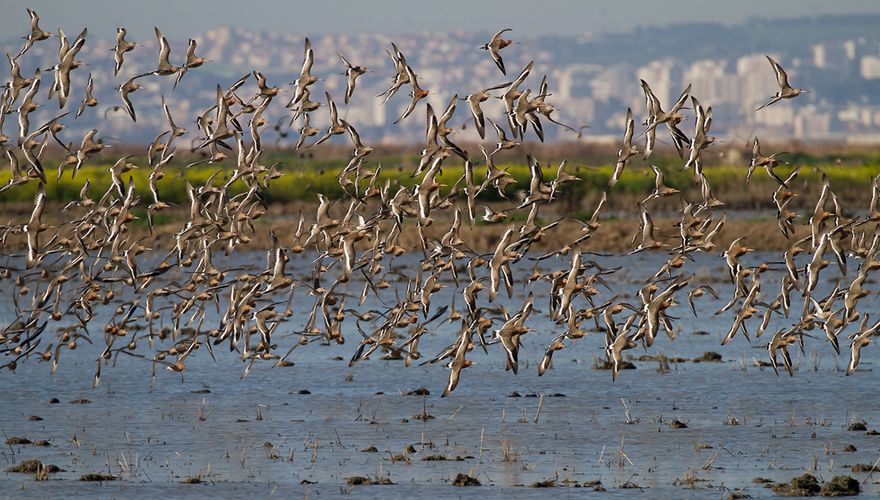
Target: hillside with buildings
[[593, 78]]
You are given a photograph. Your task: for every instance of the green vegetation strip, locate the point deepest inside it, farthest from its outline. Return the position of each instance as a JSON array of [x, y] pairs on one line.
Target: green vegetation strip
[[306, 183]]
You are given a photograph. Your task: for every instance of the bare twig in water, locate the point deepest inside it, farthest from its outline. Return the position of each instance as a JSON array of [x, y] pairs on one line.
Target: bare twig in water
[[628, 418], [538, 411], [449, 419], [622, 455], [711, 461]]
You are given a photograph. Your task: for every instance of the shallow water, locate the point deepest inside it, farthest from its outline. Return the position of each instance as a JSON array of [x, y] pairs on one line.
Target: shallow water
[[208, 423]]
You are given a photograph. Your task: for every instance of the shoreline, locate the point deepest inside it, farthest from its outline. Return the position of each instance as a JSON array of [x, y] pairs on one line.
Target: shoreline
[[614, 235]]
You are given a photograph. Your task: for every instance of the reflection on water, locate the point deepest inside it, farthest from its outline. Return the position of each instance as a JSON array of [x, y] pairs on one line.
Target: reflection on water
[[306, 428]]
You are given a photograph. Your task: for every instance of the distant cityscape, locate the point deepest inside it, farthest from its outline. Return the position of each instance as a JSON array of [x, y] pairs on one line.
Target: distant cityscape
[[593, 79]]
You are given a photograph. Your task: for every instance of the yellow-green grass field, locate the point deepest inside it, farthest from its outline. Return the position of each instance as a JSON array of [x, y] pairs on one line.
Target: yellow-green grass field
[[303, 181]]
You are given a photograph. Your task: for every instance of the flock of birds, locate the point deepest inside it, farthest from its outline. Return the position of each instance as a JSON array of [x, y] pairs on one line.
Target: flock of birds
[[88, 260]]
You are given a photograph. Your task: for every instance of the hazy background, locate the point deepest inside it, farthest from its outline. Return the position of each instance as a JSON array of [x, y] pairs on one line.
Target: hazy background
[[593, 52], [562, 17]]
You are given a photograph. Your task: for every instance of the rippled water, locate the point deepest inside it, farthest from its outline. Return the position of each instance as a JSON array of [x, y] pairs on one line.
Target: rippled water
[[301, 430]]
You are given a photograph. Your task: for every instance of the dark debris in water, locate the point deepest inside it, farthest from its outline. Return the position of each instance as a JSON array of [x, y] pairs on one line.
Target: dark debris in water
[[366, 481], [17, 441], [32, 467], [424, 416], [80, 401], [98, 477], [677, 424], [421, 391]]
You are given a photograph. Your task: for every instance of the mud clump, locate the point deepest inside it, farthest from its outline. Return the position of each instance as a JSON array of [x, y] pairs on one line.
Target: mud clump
[[465, 480], [595, 484], [678, 424], [865, 468], [736, 495], [840, 486], [421, 391], [857, 426], [605, 364], [708, 357], [547, 483], [17, 441], [805, 485]]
